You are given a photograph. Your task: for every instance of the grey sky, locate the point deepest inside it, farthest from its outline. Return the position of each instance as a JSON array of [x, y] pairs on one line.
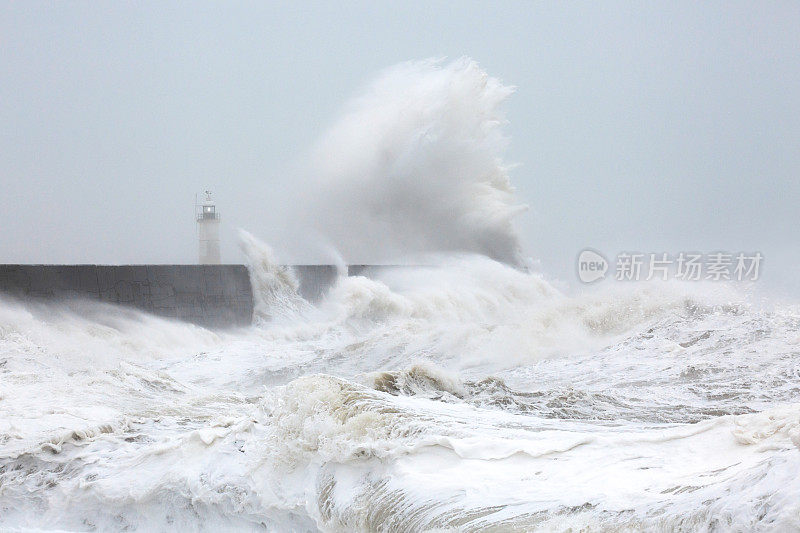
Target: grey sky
[[637, 127]]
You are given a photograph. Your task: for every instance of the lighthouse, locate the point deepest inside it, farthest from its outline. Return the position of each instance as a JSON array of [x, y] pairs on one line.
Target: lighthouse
[[208, 231]]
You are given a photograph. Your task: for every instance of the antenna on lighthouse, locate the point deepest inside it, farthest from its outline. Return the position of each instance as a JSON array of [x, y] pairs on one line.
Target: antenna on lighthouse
[[208, 231]]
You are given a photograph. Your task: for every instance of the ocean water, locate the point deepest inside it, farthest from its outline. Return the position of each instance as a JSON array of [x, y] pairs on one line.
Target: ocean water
[[465, 395]]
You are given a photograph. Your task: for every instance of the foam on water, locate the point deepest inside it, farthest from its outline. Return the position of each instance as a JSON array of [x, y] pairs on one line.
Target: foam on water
[[405, 404]]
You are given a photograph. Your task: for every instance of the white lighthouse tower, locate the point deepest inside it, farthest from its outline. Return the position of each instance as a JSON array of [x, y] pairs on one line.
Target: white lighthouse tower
[[208, 231]]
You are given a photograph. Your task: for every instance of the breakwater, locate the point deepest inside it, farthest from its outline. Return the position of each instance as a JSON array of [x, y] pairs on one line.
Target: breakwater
[[207, 295], [215, 296]]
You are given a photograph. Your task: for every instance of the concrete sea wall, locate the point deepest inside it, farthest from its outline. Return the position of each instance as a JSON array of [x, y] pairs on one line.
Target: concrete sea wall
[[314, 280], [207, 295], [216, 296]]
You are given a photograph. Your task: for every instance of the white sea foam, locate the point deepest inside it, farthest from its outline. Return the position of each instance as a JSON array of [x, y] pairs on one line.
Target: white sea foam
[[673, 409]]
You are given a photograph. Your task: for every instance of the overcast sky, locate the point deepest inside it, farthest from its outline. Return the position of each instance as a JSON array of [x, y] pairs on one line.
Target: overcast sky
[[650, 127]]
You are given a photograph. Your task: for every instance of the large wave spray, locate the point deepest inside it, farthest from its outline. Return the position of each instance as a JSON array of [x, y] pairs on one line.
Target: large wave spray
[[415, 165]]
